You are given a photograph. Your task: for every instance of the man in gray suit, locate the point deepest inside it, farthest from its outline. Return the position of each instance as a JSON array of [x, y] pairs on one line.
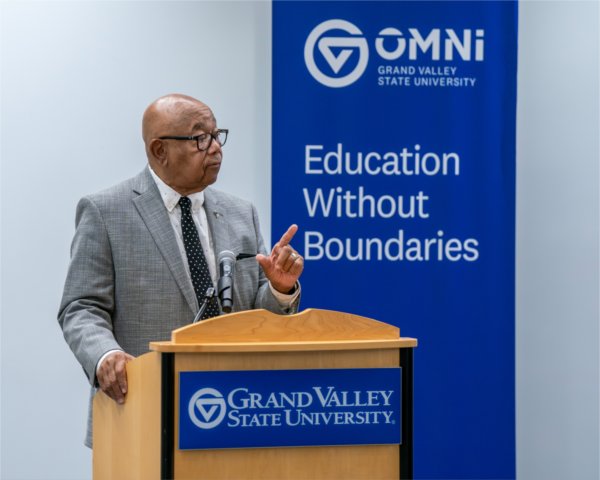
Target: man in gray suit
[[129, 280]]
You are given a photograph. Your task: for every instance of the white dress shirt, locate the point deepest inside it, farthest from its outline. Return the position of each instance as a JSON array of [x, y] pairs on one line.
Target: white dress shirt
[[171, 200]]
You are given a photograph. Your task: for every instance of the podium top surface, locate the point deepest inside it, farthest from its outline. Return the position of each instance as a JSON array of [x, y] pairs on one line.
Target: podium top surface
[[261, 330]]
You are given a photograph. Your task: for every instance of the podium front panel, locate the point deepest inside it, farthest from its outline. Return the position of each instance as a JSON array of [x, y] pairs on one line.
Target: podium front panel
[[357, 461]]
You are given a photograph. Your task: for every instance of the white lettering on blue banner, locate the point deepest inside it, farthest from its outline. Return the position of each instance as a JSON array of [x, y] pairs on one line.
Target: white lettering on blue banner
[[284, 408]]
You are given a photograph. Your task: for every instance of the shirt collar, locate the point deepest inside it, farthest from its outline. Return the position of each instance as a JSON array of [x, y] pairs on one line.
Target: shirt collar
[[171, 198]]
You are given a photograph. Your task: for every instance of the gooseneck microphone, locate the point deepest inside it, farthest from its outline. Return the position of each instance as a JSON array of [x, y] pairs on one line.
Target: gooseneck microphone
[[226, 260]]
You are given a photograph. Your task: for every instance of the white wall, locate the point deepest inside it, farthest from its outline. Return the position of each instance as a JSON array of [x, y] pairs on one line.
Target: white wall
[[75, 78], [557, 331]]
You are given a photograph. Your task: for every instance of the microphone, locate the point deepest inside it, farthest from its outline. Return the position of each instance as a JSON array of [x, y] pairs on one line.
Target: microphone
[[226, 262]]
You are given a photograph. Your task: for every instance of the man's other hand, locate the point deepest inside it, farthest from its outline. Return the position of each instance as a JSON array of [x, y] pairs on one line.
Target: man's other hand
[[112, 375], [284, 265]]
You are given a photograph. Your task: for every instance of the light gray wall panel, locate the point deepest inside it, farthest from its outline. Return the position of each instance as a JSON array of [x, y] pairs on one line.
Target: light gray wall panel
[[557, 241], [76, 77]]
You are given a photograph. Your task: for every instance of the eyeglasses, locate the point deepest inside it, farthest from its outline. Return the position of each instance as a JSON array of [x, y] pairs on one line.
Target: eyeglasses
[[203, 140]]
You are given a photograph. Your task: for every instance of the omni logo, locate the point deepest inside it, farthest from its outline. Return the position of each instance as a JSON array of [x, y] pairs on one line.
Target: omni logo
[[333, 46], [336, 50], [207, 408]]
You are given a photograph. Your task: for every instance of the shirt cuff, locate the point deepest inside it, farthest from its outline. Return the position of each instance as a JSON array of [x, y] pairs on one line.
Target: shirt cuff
[[284, 299], [103, 357]]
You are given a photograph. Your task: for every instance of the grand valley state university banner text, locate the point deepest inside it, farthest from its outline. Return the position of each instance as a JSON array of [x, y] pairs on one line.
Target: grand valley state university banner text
[[394, 151]]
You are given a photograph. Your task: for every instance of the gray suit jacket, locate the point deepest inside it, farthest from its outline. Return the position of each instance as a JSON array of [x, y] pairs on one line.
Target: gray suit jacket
[[127, 284]]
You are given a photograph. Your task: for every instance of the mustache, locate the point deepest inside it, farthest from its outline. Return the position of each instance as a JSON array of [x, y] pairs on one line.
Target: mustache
[[217, 156]]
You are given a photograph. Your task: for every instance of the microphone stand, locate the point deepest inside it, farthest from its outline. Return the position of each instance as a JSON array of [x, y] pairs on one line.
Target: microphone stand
[[208, 297]]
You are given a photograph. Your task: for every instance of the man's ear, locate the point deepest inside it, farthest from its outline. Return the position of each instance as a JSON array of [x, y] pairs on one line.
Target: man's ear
[[158, 149]]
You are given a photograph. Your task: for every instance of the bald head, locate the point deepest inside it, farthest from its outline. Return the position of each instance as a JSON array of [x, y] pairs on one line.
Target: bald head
[[174, 114], [178, 161]]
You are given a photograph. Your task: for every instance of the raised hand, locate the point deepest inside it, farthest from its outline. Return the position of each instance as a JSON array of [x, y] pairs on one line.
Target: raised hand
[[284, 265]]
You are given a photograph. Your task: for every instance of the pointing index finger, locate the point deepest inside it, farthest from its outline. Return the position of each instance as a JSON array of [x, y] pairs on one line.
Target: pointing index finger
[[287, 236]]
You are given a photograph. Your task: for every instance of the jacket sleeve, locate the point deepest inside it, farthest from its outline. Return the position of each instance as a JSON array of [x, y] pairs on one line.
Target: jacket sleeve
[[85, 313]]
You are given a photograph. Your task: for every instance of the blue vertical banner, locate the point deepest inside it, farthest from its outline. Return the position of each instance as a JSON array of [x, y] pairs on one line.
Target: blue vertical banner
[[394, 152]]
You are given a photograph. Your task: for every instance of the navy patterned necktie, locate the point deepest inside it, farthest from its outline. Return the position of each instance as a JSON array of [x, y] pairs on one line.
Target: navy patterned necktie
[[195, 255]]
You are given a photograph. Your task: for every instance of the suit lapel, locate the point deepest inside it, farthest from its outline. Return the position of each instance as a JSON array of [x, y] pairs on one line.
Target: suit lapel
[[217, 223], [154, 214]]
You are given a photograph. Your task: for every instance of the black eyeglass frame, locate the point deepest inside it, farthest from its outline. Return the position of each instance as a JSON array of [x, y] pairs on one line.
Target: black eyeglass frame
[[213, 136]]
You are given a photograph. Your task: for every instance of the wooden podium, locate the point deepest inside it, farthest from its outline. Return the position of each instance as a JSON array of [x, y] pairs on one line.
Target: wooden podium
[[138, 440]]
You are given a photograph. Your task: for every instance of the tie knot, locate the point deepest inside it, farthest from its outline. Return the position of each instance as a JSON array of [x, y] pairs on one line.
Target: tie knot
[[185, 203]]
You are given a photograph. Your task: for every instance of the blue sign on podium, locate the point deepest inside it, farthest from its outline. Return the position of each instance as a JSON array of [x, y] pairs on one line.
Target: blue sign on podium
[[285, 408]]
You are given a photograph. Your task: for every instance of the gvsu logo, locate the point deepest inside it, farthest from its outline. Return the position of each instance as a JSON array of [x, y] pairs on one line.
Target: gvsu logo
[[239, 409], [207, 408], [336, 51]]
